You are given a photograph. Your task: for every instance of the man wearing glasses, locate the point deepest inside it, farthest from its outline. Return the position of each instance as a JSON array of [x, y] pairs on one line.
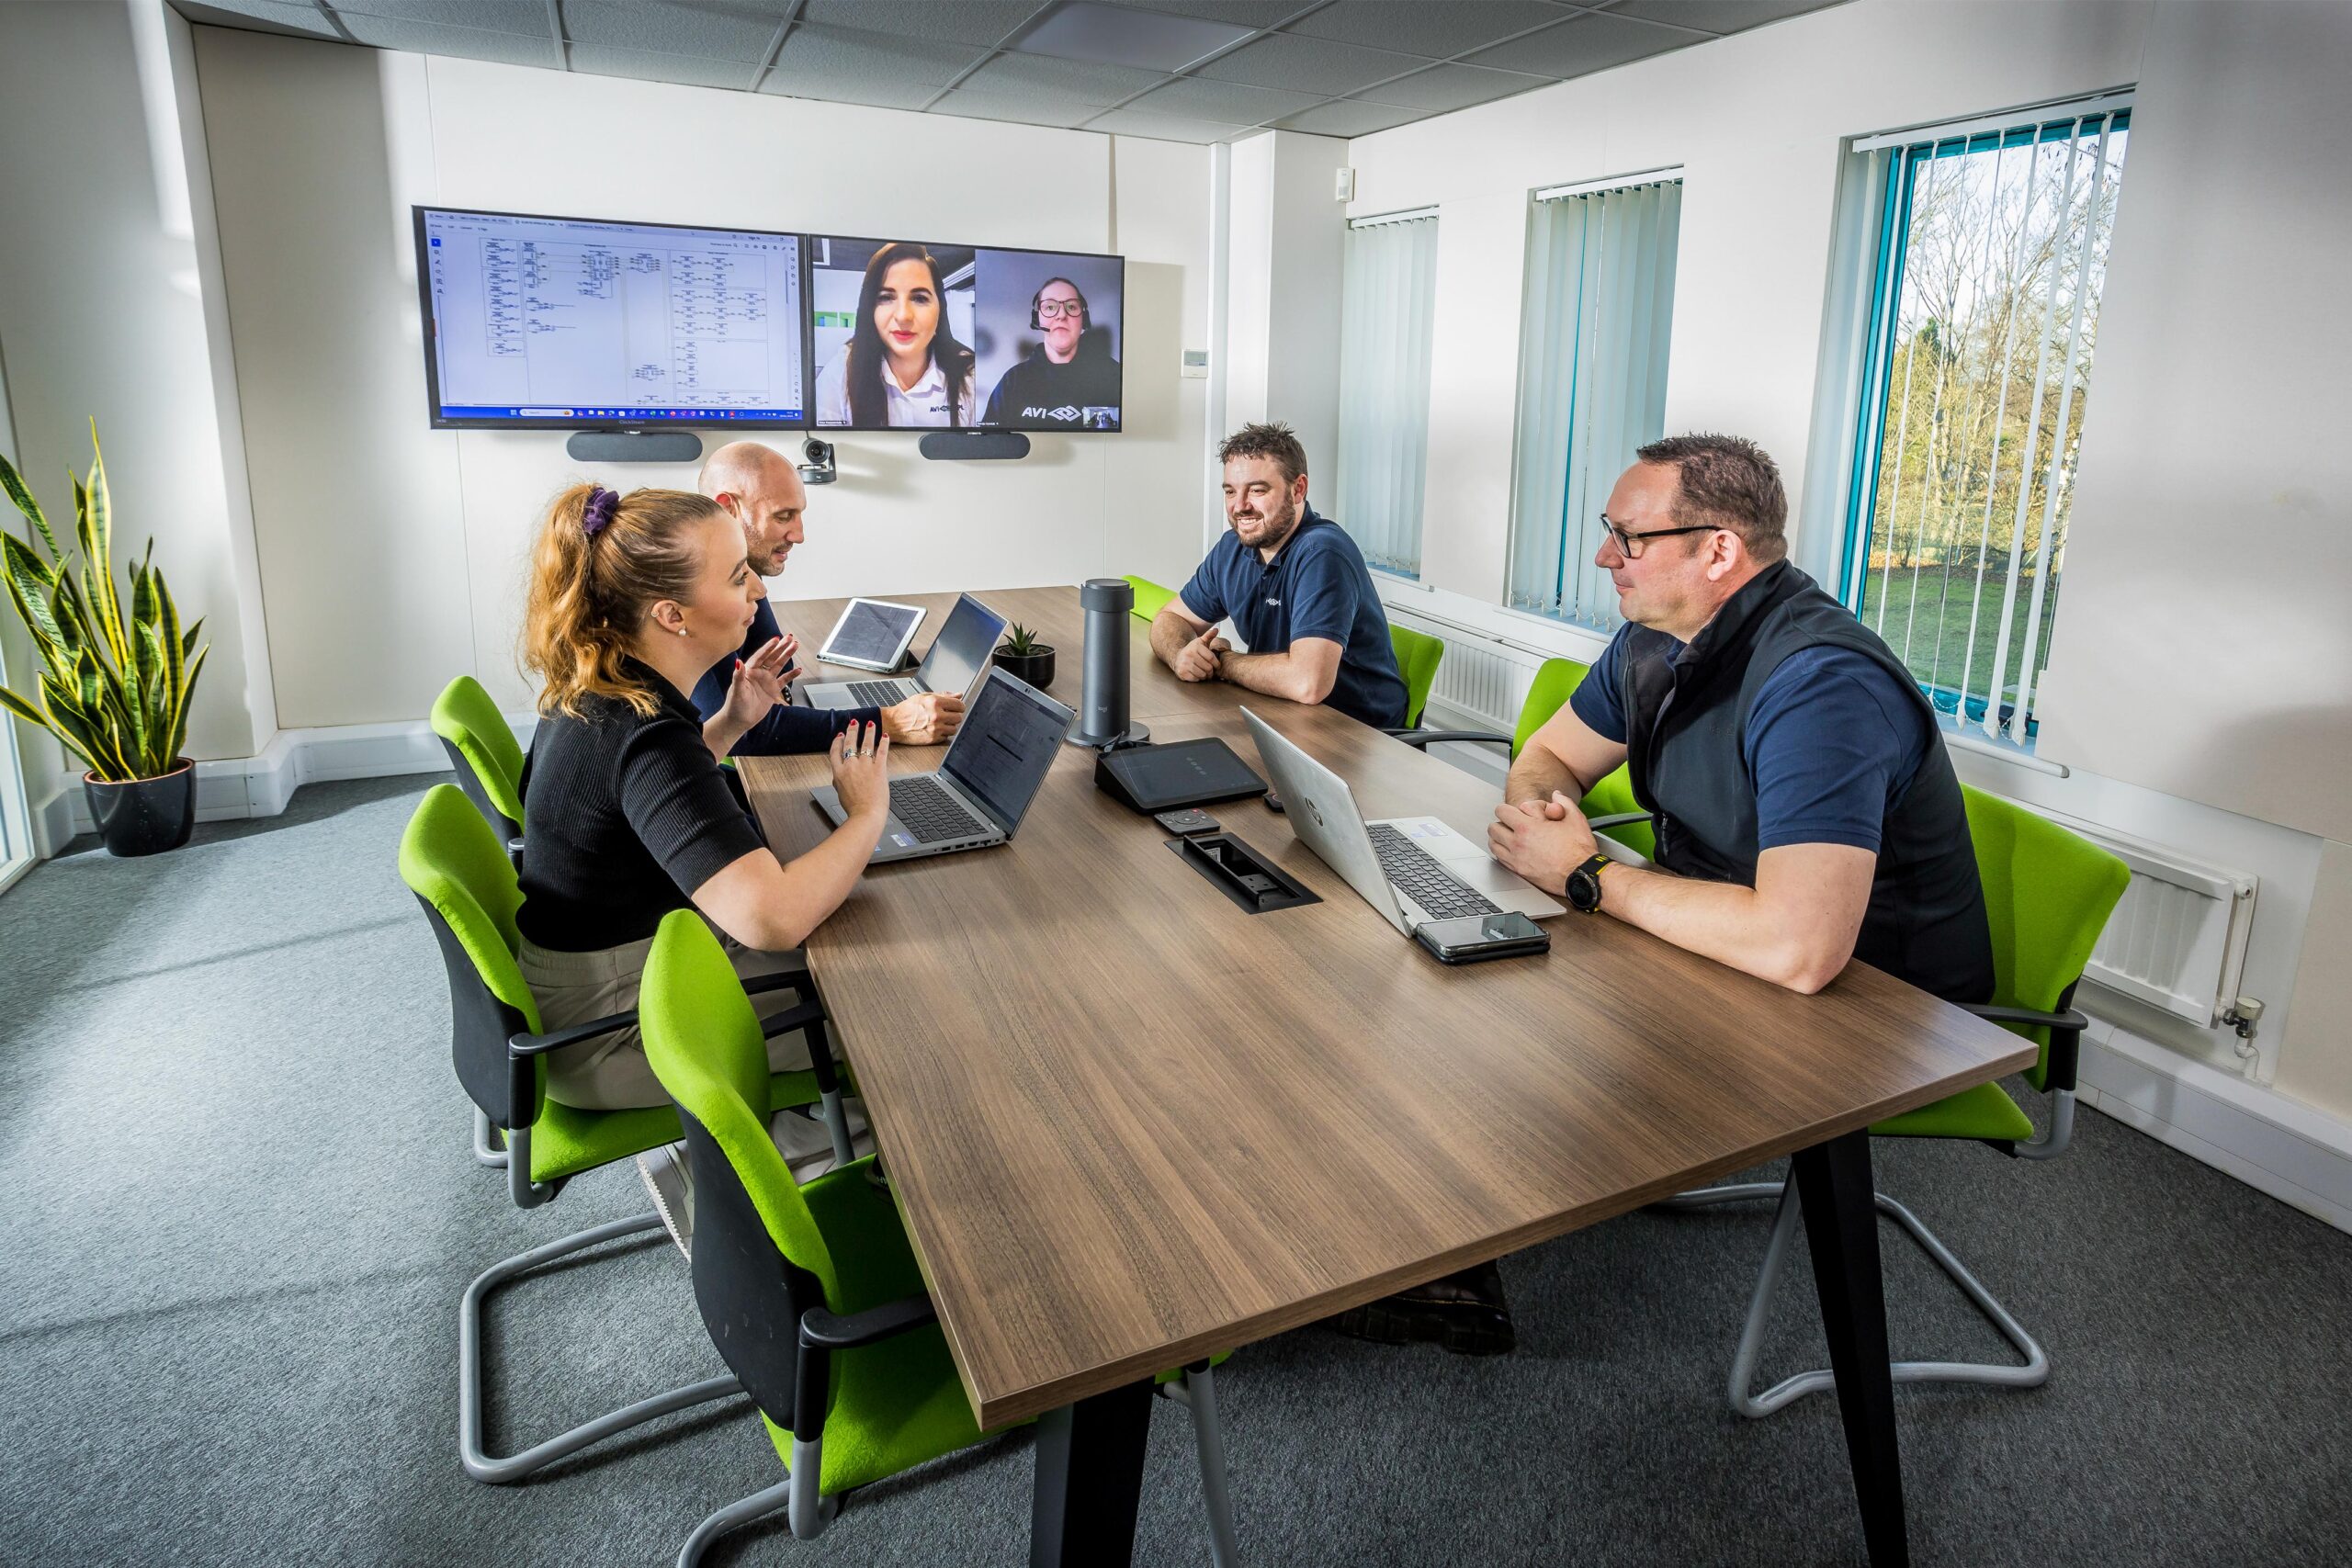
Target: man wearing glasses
[[1058, 386], [1805, 810]]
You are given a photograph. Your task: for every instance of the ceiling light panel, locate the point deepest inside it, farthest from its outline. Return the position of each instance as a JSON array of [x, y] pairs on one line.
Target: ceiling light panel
[[1110, 35]]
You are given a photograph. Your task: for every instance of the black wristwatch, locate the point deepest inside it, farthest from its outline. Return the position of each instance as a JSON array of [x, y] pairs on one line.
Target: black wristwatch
[[1584, 885]]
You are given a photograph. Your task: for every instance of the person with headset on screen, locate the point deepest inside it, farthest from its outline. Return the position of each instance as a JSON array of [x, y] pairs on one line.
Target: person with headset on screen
[[903, 365], [1058, 386], [761, 489]]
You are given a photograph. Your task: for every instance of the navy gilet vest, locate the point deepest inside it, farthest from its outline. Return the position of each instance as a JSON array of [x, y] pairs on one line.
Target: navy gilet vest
[[1686, 723]]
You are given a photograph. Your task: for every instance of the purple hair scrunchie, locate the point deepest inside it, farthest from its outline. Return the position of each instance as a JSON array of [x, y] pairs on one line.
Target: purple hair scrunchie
[[597, 514]]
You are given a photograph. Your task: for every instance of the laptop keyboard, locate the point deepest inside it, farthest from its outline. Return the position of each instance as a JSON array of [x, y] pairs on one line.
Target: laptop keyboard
[[878, 694], [1417, 874], [929, 812]]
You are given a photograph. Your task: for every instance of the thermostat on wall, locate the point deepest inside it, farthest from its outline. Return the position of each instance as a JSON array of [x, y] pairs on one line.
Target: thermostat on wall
[[1196, 364]]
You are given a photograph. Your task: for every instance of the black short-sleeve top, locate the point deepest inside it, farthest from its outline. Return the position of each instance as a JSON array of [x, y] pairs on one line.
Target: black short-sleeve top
[[627, 814]]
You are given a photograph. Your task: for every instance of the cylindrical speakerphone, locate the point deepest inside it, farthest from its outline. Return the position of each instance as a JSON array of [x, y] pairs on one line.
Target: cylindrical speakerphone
[[1102, 721]]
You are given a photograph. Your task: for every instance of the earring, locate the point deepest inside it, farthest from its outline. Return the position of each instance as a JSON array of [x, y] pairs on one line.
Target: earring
[[682, 631]]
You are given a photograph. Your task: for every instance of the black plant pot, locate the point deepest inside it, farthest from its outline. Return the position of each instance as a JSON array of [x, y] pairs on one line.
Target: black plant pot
[[1037, 668], [145, 817]]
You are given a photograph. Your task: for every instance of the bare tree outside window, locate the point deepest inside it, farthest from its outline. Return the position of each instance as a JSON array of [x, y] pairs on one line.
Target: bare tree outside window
[[1983, 377]]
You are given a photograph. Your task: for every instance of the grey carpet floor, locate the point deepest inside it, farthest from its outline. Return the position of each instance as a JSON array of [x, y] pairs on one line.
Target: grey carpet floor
[[238, 1214]]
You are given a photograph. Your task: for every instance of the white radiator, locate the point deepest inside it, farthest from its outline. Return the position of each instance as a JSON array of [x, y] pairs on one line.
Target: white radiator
[[2176, 940]]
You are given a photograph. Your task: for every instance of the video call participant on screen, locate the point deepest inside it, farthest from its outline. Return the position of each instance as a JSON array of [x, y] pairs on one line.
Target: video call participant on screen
[[1807, 810], [1296, 587], [761, 489], [631, 599], [903, 365], [1060, 386]]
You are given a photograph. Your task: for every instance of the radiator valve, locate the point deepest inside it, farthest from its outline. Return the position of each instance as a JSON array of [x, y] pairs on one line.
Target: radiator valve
[[2243, 1014]]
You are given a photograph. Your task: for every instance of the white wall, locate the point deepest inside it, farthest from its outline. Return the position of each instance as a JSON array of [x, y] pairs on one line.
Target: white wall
[[393, 555], [1288, 237], [1757, 122], [102, 314]]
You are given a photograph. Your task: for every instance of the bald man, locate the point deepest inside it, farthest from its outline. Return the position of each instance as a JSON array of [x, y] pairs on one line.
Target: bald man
[[762, 490]]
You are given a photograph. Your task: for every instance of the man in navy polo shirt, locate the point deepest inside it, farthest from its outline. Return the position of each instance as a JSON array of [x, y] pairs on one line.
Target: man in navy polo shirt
[[1296, 587]]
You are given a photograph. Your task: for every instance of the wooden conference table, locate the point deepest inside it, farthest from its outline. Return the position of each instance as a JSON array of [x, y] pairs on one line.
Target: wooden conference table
[[1129, 1125]]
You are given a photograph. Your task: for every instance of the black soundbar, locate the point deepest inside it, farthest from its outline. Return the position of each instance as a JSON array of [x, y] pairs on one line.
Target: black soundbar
[[958, 445], [633, 447]]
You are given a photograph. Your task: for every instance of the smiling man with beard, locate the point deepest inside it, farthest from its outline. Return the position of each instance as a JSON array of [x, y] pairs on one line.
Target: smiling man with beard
[[1296, 587]]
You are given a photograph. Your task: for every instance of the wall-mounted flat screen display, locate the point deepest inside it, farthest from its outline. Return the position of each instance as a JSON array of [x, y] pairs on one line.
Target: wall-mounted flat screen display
[[569, 323], [912, 332]]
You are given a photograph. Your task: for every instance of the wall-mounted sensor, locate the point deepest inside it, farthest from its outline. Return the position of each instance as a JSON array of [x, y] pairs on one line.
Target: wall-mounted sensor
[[1196, 364], [819, 470]]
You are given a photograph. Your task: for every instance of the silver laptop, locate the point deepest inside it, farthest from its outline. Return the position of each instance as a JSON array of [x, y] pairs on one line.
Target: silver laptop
[[955, 657], [1414, 870], [983, 785]]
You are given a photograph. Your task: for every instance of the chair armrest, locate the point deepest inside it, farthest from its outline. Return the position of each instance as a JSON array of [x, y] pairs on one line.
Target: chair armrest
[[820, 1329], [805, 1016], [523, 1046], [1422, 740], [2063, 1060]]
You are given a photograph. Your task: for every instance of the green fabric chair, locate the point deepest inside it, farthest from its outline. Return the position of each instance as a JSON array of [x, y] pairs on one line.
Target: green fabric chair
[[453, 863], [2047, 896], [812, 1293], [1609, 804], [483, 750], [1418, 657], [1150, 598]]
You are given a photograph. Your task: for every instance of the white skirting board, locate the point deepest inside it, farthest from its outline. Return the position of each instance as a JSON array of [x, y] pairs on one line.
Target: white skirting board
[[261, 786]]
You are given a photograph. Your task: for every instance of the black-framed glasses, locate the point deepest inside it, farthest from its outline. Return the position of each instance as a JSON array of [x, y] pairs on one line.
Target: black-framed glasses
[[1049, 308], [1631, 546]]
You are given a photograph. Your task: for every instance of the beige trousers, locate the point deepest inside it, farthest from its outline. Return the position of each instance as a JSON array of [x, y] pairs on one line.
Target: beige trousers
[[610, 1073]]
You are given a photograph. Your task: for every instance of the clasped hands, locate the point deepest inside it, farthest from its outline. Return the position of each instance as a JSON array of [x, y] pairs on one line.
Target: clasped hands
[[1541, 840], [1198, 660]]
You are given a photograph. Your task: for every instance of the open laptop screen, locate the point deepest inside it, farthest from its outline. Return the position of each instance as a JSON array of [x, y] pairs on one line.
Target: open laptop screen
[[1008, 739], [961, 647]]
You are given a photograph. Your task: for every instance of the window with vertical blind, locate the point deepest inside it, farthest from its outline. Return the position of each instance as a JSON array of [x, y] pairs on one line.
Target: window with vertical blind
[[1388, 296], [1992, 254], [1594, 331]]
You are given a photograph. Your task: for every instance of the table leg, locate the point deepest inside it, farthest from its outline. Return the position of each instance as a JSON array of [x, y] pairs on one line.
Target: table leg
[[1090, 1480], [1841, 1223]]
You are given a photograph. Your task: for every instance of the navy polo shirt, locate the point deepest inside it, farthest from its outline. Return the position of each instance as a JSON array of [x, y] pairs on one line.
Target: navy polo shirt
[[1832, 743], [1318, 586]]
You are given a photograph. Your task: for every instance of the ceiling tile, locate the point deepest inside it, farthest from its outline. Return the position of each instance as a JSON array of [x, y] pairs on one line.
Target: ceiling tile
[[1307, 64], [466, 43], [1238, 13], [1149, 40], [1585, 44], [942, 21], [1351, 116], [1438, 32], [650, 65], [1717, 16], [1444, 87], [261, 16], [1164, 126], [1228, 103], [1101, 86], [706, 32], [1025, 108], [493, 15], [867, 67]]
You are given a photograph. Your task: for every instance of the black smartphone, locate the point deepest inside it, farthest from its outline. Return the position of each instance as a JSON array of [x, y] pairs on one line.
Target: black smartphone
[[1474, 938]]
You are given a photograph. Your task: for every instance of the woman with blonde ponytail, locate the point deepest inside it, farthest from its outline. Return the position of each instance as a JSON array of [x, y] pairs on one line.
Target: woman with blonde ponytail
[[632, 599]]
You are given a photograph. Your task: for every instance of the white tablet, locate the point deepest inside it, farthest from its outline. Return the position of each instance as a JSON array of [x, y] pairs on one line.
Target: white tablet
[[872, 634]]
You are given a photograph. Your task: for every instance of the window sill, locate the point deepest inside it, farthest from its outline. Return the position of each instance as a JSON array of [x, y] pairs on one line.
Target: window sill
[[1972, 738]]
